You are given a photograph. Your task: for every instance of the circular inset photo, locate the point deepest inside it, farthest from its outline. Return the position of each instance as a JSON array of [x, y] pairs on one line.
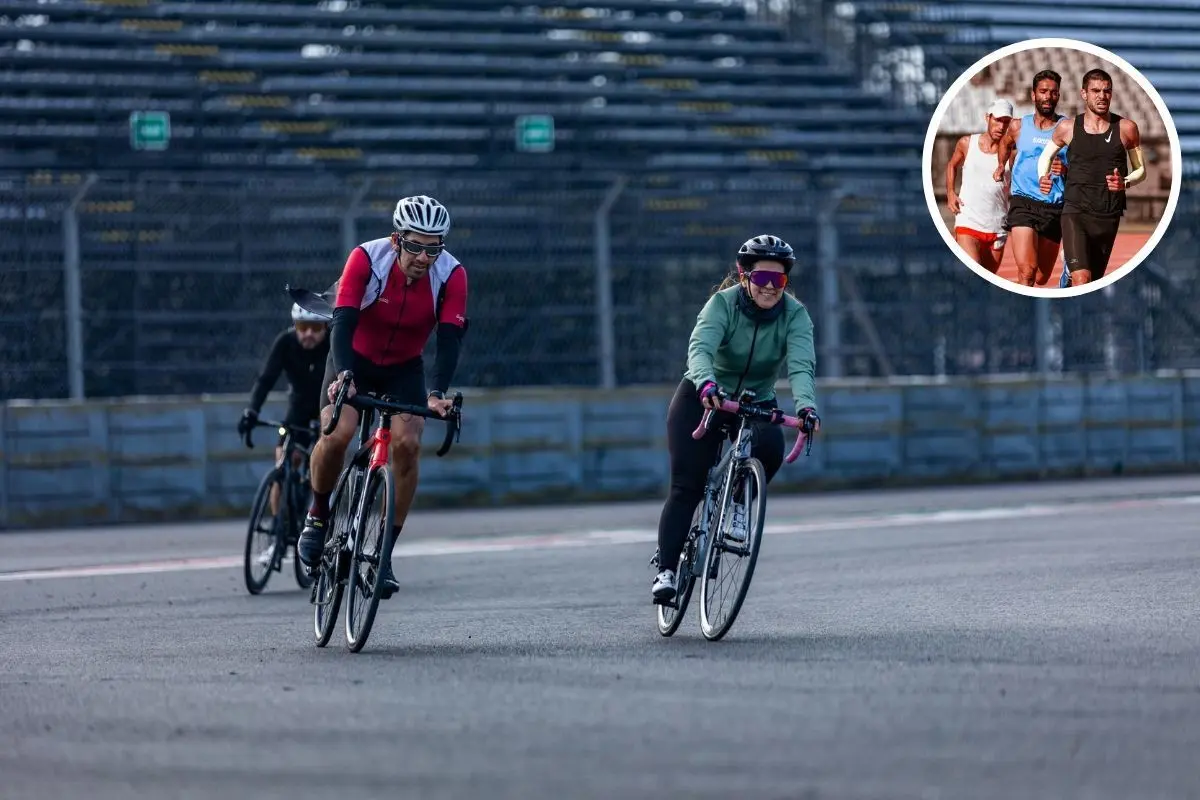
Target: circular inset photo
[[1052, 168]]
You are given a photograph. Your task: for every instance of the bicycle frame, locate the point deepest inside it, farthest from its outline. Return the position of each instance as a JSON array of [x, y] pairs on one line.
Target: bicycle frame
[[374, 443], [290, 475], [718, 485], [720, 477]]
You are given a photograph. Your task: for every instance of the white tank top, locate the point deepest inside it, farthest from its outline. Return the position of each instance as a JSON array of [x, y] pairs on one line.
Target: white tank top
[[984, 201]]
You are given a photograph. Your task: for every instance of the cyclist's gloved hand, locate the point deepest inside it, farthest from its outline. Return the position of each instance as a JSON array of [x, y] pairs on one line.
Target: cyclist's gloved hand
[[810, 422], [246, 423], [710, 395]]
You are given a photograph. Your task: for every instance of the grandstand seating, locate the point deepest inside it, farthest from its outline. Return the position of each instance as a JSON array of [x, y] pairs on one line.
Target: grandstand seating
[[705, 109], [290, 121], [1158, 37], [287, 85]]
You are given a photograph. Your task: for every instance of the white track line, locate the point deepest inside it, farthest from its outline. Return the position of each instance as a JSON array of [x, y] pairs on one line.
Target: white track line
[[587, 538]]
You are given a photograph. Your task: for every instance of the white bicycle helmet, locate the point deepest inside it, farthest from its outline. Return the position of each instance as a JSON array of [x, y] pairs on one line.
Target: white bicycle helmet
[[303, 315], [421, 214]]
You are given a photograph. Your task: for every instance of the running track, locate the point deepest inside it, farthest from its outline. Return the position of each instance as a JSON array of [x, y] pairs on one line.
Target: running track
[[1015, 641], [1125, 248]]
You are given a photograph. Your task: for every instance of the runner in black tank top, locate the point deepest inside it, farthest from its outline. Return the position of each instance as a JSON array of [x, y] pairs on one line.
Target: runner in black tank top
[[1094, 196]]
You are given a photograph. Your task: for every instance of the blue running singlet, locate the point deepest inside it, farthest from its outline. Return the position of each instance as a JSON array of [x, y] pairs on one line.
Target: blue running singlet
[[1030, 144]]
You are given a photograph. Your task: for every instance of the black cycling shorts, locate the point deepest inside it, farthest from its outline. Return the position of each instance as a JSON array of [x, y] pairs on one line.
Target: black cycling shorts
[[1025, 212], [1088, 242], [402, 383]]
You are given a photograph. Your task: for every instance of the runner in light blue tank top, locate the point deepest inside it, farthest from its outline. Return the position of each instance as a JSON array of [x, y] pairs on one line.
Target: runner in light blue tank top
[[1034, 220], [1030, 144]]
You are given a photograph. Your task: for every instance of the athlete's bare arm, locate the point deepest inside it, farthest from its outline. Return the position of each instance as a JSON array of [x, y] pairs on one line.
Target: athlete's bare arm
[[1131, 140], [1007, 149], [957, 159]]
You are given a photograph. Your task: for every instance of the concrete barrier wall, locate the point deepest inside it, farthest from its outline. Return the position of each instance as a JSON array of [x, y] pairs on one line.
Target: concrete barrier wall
[[143, 459]]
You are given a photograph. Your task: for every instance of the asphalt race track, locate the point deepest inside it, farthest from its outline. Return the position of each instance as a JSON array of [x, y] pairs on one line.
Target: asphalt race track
[[996, 642]]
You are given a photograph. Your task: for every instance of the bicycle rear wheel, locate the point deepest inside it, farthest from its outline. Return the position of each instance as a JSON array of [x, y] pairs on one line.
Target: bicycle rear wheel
[[670, 618], [302, 496], [729, 565], [330, 580], [263, 539], [372, 540]]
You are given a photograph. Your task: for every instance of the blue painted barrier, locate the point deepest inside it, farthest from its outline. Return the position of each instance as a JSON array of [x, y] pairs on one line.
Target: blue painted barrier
[[179, 458]]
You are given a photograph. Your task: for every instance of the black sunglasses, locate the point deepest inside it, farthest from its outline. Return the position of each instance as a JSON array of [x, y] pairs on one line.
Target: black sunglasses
[[431, 250]]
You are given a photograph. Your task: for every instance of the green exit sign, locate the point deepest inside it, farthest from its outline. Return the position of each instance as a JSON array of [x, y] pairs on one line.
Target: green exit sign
[[149, 130], [535, 133]]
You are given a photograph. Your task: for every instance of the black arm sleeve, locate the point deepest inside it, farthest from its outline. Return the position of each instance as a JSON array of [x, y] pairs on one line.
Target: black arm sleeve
[[449, 341], [341, 338], [270, 373]]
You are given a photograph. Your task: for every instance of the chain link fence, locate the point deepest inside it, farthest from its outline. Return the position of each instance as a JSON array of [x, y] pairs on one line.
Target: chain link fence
[[181, 278]]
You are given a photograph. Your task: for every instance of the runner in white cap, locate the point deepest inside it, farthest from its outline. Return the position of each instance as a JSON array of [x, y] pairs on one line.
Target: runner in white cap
[[981, 204]]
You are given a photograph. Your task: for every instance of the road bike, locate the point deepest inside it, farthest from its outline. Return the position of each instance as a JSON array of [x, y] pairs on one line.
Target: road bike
[[362, 513], [268, 535], [728, 521]]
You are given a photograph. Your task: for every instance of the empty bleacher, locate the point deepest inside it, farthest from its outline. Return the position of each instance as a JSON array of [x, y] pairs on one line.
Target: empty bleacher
[[292, 123], [278, 85], [1159, 38], [294, 128]]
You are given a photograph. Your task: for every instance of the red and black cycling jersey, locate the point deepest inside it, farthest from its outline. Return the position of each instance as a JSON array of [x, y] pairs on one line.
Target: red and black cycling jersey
[[396, 326], [384, 319]]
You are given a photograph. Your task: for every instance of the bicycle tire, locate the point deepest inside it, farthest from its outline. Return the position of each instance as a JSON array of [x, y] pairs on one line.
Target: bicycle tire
[[325, 614], [669, 619], [751, 467], [299, 508], [261, 506], [380, 479]]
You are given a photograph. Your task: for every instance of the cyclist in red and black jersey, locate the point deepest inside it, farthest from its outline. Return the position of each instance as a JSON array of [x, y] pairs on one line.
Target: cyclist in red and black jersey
[[392, 294]]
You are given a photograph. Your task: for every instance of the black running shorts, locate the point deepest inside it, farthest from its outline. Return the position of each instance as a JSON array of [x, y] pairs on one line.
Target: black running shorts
[[1025, 212]]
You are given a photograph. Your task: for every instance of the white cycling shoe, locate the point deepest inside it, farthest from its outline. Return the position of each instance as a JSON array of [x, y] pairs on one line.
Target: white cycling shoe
[[664, 585]]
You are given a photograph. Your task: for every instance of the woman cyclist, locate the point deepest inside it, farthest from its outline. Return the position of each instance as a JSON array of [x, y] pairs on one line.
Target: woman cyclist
[[746, 331]]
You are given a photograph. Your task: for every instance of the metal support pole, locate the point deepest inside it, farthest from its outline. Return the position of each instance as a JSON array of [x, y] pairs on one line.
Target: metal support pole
[[73, 291], [605, 325], [1043, 336], [350, 217], [831, 304]]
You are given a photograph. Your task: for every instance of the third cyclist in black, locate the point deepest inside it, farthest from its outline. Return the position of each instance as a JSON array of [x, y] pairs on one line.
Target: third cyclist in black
[[300, 353]]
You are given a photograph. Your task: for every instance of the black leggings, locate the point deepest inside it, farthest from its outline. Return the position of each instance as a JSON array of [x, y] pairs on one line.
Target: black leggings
[[691, 460], [1088, 242]]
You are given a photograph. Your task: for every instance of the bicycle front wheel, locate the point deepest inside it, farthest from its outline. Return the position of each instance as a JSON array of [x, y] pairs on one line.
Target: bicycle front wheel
[[733, 549], [372, 540], [327, 594], [263, 539]]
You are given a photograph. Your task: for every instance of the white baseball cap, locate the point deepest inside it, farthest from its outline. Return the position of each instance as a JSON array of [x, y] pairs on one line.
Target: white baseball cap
[[1001, 108]]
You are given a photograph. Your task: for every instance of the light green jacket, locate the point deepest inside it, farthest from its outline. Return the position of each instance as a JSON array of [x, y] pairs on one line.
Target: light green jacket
[[739, 354]]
